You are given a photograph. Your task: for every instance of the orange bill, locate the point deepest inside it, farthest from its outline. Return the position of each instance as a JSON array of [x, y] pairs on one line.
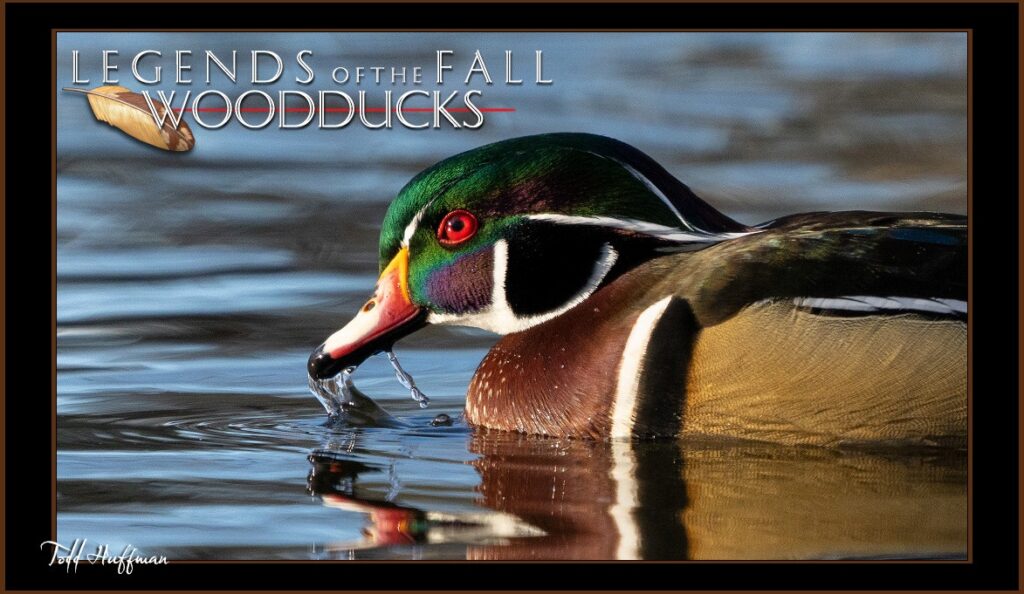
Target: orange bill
[[386, 317]]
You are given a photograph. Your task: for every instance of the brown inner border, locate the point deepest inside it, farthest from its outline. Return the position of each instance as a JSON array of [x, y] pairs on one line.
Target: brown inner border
[[970, 211]]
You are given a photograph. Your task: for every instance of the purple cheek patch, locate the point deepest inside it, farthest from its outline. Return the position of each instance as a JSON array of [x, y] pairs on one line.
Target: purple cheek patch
[[463, 286]]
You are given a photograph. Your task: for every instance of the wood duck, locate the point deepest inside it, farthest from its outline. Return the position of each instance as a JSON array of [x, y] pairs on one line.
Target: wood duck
[[630, 307]]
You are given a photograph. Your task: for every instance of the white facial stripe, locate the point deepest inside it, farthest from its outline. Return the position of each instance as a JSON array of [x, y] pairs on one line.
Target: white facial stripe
[[653, 189], [499, 298], [657, 192], [500, 318], [637, 226], [630, 368], [414, 224], [867, 303]]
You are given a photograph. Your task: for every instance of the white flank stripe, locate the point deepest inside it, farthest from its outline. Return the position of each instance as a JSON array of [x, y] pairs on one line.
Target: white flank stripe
[[627, 499], [872, 303], [624, 408], [637, 226]]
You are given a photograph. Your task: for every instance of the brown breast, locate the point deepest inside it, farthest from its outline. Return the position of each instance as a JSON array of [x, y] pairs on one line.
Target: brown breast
[[557, 378]]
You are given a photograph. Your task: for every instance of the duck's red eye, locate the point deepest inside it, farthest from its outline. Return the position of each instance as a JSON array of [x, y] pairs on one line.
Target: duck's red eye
[[456, 227]]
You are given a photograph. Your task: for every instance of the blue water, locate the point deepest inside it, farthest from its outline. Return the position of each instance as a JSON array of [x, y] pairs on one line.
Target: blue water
[[192, 287]]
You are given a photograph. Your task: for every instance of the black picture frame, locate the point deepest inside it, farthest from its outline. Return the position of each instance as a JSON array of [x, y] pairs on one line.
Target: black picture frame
[[995, 227]]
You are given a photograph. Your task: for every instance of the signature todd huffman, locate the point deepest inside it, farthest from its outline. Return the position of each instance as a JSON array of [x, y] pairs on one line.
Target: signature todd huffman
[[69, 556]]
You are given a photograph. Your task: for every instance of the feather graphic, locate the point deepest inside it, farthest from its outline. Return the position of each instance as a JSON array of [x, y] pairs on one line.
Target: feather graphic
[[129, 112]]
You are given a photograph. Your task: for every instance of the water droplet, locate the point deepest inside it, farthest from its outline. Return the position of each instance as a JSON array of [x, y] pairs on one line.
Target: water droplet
[[441, 420], [407, 382], [334, 393]]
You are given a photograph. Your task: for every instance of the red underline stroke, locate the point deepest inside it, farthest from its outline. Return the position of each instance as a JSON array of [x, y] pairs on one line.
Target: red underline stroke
[[345, 109]]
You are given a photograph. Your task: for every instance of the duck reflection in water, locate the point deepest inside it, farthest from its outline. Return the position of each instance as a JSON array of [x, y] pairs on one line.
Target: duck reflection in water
[[577, 499], [333, 478]]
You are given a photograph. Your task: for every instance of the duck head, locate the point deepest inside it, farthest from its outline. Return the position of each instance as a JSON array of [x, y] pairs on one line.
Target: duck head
[[513, 234]]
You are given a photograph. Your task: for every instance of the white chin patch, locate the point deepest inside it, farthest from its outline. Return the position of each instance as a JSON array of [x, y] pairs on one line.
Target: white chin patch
[[499, 317]]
